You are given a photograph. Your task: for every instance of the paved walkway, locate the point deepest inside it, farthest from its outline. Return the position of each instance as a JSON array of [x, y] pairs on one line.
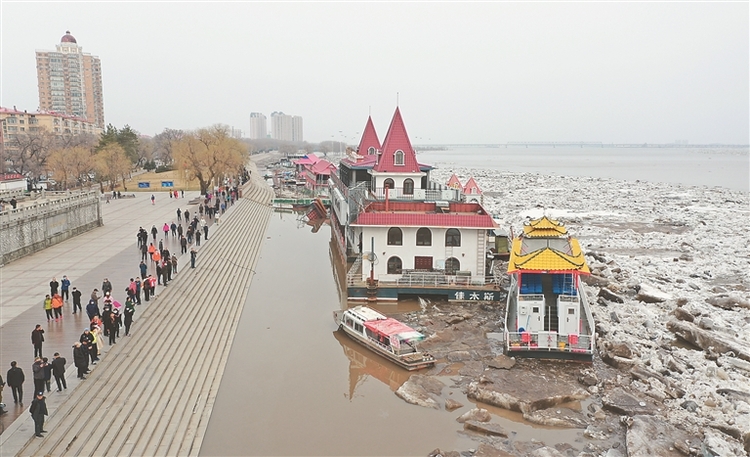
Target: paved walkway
[[152, 393]]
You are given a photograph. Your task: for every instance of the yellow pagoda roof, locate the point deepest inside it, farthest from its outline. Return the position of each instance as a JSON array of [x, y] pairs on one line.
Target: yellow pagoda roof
[[557, 256], [544, 228]]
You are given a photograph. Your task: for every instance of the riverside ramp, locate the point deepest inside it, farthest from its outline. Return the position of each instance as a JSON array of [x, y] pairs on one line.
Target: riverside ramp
[[152, 395]]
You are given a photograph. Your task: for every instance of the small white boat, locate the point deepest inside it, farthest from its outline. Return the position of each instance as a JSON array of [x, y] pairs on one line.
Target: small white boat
[[384, 335]]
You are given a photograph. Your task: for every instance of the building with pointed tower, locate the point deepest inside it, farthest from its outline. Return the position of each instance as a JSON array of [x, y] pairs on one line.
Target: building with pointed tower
[[402, 234]]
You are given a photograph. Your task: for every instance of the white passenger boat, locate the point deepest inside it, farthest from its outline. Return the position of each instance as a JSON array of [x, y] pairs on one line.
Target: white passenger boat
[[384, 335]]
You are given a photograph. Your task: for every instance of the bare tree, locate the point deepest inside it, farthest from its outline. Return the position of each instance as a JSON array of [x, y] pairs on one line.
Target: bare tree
[[164, 144], [209, 154], [112, 163], [29, 152]]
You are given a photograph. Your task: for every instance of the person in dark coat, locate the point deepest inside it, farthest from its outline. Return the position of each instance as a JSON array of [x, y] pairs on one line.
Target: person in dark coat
[[129, 312], [47, 374], [193, 255], [15, 379], [92, 309], [76, 300], [106, 286], [38, 410], [38, 373], [114, 327], [80, 359], [58, 371], [37, 338], [53, 285], [90, 349]]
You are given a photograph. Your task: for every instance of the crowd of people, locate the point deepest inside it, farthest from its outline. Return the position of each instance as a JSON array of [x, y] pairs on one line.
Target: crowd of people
[[157, 267]]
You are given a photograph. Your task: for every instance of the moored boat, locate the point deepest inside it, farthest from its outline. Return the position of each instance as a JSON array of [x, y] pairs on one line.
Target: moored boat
[[385, 336], [548, 314]]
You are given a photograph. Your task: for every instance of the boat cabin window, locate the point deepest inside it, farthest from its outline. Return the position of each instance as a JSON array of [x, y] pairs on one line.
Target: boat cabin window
[[452, 265], [395, 236], [394, 266], [453, 237], [358, 327], [408, 186], [535, 309], [424, 237]]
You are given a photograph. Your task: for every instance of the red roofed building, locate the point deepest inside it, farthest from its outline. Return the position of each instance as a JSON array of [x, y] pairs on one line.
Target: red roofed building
[[403, 233], [454, 182], [472, 191]]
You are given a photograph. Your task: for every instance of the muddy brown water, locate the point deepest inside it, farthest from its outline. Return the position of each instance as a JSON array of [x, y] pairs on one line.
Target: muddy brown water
[[294, 385]]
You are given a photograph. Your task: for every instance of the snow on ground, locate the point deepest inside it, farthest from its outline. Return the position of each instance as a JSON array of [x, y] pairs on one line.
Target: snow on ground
[[682, 244]]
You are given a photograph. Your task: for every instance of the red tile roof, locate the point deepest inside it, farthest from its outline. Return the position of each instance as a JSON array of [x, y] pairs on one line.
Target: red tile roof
[[397, 139], [472, 187], [454, 182], [457, 220], [369, 138]]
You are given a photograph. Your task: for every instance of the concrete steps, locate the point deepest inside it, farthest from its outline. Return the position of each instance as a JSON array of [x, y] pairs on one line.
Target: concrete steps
[[153, 392]]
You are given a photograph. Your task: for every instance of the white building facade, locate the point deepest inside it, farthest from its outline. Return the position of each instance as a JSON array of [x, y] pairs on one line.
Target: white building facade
[[258, 128]]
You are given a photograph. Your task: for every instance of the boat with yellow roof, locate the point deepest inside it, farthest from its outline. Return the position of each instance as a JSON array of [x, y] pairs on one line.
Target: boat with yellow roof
[[548, 314]]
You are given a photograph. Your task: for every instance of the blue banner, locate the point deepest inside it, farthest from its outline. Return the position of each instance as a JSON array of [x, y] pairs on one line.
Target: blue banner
[[144, 185], [167, 183]]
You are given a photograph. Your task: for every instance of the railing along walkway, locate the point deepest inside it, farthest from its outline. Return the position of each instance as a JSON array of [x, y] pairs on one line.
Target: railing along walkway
[[153, 393]]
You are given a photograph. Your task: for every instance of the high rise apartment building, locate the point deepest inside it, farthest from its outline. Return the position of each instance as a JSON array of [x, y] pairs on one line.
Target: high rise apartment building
[[258, 127], [286, 127], [70, 81]]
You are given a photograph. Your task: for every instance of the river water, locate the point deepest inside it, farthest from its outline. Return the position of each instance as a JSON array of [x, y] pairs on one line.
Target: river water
[[714, 167], [294, 386]]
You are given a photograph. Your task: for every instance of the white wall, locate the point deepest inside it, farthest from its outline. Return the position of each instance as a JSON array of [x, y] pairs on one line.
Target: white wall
[[466, 253]]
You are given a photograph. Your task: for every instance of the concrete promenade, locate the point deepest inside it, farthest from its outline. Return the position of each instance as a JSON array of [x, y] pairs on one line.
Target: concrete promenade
[[152, 393]]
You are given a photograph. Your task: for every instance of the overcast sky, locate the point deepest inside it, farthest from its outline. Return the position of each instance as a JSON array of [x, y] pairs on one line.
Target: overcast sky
[[465, 72]]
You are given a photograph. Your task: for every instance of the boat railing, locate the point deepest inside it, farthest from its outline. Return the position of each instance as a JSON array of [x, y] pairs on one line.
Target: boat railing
[[529, 341]]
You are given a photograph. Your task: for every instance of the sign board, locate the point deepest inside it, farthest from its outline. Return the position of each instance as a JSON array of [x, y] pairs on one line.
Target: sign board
[[167, 183], [144, 185]]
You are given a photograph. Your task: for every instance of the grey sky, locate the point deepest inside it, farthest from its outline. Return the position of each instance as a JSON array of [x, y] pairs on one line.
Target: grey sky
[[466, 72]]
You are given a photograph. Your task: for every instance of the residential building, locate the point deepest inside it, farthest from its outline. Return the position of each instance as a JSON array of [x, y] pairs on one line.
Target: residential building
[[17, 123], [285, 127], [70, 81], [258, 129]]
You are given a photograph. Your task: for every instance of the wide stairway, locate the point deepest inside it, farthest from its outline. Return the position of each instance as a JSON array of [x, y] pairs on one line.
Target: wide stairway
[[153, 393]]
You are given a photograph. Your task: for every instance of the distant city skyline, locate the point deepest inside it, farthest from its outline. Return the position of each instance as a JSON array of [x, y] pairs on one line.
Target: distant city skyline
[[474, 73]]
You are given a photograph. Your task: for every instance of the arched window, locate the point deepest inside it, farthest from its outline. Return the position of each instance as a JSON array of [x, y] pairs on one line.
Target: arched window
[[398, 158], [388, 183], [371, 151], [424, 237], [452, 237], [408, 186], [395, 236], [394, 266], [452, 265]]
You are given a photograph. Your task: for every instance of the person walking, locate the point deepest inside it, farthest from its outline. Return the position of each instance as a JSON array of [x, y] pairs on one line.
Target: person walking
[[179, 231], [58, 370], [64, 286], [106, 287], [38, 410], [53, 286], [88, 340], [183, 245], [144, 268], [129, 312], [173, 229], [80, 359], [37, 370], [153, 199], [48, 307], [165, 229], [47, 374], [154, 231], [205, 232], [174, 264], [95, 297], [76, 299], [57, 306], [114, 328], [193, 255], [179, 215], [187, 216], [15, 379], [197, 237], [144, 252], [37, 338]]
